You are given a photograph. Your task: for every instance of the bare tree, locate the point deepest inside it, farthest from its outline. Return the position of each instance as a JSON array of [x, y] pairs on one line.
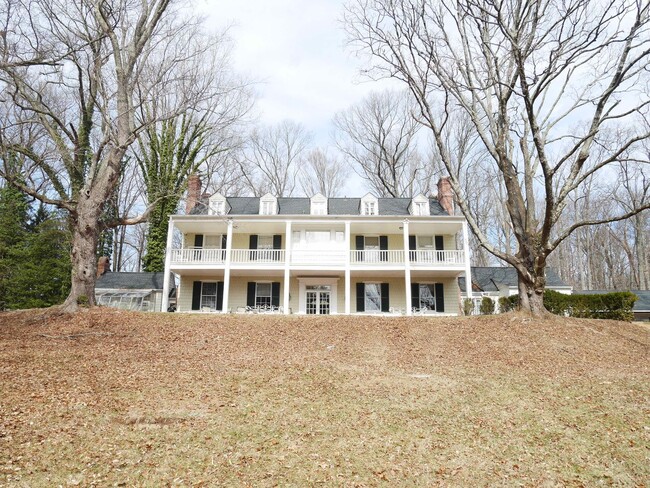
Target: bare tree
[[73, 124], [322, 173], [540, 81], [270, 158], [379, 136]]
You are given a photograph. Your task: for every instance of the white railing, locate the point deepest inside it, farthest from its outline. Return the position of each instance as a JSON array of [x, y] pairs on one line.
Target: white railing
[[311, 257], [198, 256], [376, 257], [258, 256], [436, 258]]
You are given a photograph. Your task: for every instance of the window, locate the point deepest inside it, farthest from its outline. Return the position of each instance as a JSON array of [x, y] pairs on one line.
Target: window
[[317, 236], [340, 236], [217, 207], [421, 208], [268, 208], [212, 241], [427, 296], [319, 208], [264, 242], [373, 297], [425, 242], [371, 243], [263, 294], [209, 295], [369, 208]]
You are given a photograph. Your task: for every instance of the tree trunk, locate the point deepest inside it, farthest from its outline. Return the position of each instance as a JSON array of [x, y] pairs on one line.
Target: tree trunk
[[85, 237], [531, 295]]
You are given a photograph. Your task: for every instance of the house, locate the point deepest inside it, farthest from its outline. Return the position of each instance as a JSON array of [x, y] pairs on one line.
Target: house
[[502, 281], [641, 307], [317, 255], [132, 291]]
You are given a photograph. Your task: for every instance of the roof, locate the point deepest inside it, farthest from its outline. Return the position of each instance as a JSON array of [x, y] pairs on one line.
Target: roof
[[131, 281], [490, 278], [641, 305], [302, 206]]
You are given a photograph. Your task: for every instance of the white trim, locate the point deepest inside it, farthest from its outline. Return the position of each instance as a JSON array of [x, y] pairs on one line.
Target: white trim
[[168, 262]]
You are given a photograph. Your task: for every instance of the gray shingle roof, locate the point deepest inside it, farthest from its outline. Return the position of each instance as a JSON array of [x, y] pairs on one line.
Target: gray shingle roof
[[301, 206], [489, 278], [641, 305], [131, 281]]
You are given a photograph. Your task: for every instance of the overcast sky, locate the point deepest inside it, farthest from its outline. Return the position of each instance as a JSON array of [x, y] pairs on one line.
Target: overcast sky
[[296, 50]]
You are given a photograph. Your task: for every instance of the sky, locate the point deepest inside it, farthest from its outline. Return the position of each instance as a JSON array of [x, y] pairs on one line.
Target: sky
[[296, 51]]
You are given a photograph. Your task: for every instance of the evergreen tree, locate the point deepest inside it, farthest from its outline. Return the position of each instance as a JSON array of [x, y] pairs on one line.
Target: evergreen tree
[[14, 217]]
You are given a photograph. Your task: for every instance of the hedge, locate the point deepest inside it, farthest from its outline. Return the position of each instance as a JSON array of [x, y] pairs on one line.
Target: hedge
[[615, 306], [487, 306]]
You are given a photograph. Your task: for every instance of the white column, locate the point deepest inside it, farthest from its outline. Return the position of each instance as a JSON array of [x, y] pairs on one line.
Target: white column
[[168, 261], [226, 269], [468, 265], [347, 267], [407, 267], [287, 262]]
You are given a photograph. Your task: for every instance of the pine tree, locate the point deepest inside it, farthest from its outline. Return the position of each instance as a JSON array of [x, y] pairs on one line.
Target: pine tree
[[14, 217]]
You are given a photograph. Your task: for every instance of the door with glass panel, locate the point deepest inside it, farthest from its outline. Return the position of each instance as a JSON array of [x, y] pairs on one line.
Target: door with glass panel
[[317, 299], [371, 246]]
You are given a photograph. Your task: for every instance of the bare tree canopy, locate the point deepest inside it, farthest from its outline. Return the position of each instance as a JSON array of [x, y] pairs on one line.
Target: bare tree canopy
[[547, 84], [73, 123], [270, 159], [322, 173], [379, 136]]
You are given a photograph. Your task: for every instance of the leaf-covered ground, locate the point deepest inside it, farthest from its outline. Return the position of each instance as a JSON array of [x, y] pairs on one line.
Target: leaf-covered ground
[[110, 398]]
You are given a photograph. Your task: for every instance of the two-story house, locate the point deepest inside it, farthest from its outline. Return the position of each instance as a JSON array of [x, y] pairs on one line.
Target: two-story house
[[318, 255]]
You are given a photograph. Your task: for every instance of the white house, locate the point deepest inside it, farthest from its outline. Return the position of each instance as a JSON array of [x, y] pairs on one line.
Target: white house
[[318, 255]]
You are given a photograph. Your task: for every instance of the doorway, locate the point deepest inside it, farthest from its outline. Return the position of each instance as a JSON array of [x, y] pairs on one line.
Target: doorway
[[317, 299]]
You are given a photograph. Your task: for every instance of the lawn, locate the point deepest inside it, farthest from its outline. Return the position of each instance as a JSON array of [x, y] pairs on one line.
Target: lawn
[[105, 398]]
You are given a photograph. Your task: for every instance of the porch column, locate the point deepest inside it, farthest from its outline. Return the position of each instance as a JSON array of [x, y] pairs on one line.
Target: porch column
[[287, 262], [226, 268], [468, 264], [347, 267], [407, 267], [168, 262]]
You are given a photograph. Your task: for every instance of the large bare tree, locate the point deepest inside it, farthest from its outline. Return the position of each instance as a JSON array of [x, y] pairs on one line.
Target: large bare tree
[[270, 158], [322, 173], [379, 136], [543, 82], [73, 123]]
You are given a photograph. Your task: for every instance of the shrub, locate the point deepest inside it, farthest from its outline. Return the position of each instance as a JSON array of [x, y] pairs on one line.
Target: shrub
[[468, 306], [487, 306], [508, 304], [82, 301], [615, 306]]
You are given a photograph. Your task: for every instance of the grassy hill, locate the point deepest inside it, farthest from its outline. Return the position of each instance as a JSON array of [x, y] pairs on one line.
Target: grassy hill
[[106, 397]]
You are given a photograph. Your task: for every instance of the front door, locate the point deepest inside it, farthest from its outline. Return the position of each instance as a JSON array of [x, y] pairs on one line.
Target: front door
[[317, 299]]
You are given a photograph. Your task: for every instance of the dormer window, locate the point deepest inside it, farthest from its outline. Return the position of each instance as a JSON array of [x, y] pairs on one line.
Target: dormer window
[[318, 205], [369, 205], [217, 205], [420, 205], [268, 205]]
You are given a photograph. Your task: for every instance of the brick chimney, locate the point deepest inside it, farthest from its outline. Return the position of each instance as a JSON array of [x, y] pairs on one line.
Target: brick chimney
[[446, 195], [193, 192], [103, 265]]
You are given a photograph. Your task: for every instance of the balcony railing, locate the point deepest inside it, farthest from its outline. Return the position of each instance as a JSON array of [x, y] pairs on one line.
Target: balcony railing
[[376, 257], [318, 257], [258, 256], [435, 258], [198, 256]]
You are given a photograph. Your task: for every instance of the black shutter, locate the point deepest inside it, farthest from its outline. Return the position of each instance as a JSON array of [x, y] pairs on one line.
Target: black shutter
[[277, 244], [275, 293], [361, 297], [440, 298], [196, 295], [252, 241], [385, 302], [359, 245], [383, 248], [415, 295], [440, 243], [198, 240], [224, 241], [250, 295], [220, 295], [412, 247]]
